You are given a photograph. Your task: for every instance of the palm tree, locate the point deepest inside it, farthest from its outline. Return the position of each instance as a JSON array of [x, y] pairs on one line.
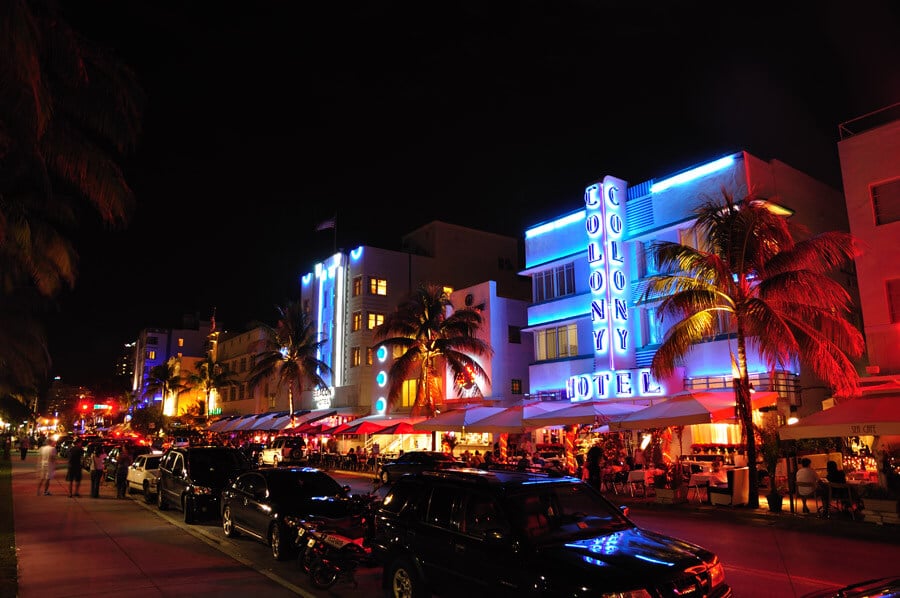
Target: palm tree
[[291, 354], [754, 276], [426, 331], [68, 111], [210, 375], [164, 379]]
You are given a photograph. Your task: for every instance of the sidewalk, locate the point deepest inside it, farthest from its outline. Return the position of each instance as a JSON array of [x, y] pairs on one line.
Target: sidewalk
[[71, 547]]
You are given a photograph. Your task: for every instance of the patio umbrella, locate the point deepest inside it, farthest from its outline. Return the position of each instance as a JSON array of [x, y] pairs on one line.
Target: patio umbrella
[[266, 420], [507, 421], [456, 420], [402, 427], [692, 407], [364, 427], [587, 412], [233, 424], [866, 416]]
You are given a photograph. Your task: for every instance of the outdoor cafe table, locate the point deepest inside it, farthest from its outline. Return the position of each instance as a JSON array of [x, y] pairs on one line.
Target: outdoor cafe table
[[642, 477]]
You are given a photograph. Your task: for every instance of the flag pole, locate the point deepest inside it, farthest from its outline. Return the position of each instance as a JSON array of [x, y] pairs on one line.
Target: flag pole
[[334, 245]]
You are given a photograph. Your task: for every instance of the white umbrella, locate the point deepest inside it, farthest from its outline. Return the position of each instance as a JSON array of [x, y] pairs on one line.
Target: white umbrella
[[587, 412], [687, 408], [867, 416], [456, 420]]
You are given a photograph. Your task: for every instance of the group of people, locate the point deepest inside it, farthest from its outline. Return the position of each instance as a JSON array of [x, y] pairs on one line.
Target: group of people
[[46, 467], [809, 484]]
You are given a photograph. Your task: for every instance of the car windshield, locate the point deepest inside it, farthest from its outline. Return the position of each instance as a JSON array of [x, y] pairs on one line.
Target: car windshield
[[216, 464], [294, 487], [152, 462], [556, 513]]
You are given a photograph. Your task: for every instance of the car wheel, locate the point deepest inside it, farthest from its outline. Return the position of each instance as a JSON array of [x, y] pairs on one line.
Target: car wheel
[[278, 543], [404, 581], [228, 523], [148, 496], [188, 507], [161, 503]]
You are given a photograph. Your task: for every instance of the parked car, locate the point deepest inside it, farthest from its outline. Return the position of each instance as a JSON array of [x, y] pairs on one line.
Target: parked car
[[284, 449], [885, 587], [253, 450], [63, 445], [192, 478], [415, 462], [484, 533], [112, 457], [142, 475], [89, 449], [267, 504]]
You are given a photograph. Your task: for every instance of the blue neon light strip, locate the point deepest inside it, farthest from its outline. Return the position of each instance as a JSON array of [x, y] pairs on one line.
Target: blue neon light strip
[[694, 173], [546, 228]]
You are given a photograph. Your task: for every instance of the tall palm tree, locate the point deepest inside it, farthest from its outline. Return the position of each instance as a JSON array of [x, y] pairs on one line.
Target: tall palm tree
[[68, 111], [210, 375], [426, 330], [753, 275], [165, 379], [291, 354]]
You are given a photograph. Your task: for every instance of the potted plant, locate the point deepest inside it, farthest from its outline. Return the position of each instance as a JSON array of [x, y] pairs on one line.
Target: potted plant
[[770, 450], [672, 489]]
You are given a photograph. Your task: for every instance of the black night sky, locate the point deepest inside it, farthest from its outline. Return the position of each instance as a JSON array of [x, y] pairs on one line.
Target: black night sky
[[266, 117]]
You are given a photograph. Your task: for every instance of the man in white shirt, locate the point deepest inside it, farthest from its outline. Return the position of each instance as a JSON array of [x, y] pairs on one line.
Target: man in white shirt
[[46, 466], [806, 475]]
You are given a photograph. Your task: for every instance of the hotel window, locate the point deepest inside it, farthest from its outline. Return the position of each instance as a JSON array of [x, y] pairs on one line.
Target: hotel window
[[377, 286], [886, 202], [354, 357], [357, 321], [555, 282], [152, 340], [370, 355], [375, 320], [180, 342], [408, 393], [242, 389], [516, 387], [232, 393], [893, 297], [651, 329], [553, 343], [151, 354], [646, 259], [514, 335], [243, 364], [691, 237], [357, 286]]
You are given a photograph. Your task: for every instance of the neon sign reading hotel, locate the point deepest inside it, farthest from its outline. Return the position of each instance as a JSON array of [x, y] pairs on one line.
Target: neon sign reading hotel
[[608, 280]]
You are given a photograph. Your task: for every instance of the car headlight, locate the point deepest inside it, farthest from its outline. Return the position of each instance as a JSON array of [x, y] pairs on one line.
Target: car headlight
[[291, 521]]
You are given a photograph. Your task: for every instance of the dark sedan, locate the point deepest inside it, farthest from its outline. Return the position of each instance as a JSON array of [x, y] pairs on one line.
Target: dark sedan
[[415, 462], [268, 502]]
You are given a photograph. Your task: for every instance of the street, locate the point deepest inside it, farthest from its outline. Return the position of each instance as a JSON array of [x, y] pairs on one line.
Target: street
[[80, 547]]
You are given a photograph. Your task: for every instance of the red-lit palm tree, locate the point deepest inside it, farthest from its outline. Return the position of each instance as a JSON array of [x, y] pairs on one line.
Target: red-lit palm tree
[[426, 329], [769, 286]]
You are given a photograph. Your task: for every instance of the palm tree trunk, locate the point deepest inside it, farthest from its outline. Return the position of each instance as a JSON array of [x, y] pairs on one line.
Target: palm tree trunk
[[291, 402], [745, 413]]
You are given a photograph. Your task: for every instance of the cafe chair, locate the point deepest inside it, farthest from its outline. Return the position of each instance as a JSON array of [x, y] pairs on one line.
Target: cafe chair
[[695, 488], [814, 496], [736, 493]]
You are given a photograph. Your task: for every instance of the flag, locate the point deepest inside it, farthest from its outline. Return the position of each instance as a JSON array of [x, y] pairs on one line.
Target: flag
[[325, 224]]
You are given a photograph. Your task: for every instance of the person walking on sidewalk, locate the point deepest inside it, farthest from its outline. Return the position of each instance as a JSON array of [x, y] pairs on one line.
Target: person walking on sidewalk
[[122, 464], [98, 460], [46, 466], [73, 473], [24, 446]]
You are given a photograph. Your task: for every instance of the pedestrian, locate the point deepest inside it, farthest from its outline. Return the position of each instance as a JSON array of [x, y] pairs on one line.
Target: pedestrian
[[73, 473], [46, 467], [24, 446], [122, 464], [593, 467], [98, 461]]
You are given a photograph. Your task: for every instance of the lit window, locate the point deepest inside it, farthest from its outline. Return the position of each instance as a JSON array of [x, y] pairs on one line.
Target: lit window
[[408, 393], [370, 356], [180, 342], [377, 286], [375, 320], [893, 297], [357, 321], [151, 354], [516, 387], [886, 202], [354, 357], [554, 343], [357, 286], [554, 282]]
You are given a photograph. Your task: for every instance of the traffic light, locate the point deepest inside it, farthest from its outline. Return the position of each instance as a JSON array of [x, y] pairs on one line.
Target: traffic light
[[84, 406]]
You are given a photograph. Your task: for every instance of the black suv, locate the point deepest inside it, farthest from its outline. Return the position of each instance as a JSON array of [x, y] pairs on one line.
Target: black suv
[[192, 478], [455, 532]]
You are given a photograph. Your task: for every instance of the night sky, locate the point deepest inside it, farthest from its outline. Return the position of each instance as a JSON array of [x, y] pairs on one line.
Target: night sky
[[264, 118]]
